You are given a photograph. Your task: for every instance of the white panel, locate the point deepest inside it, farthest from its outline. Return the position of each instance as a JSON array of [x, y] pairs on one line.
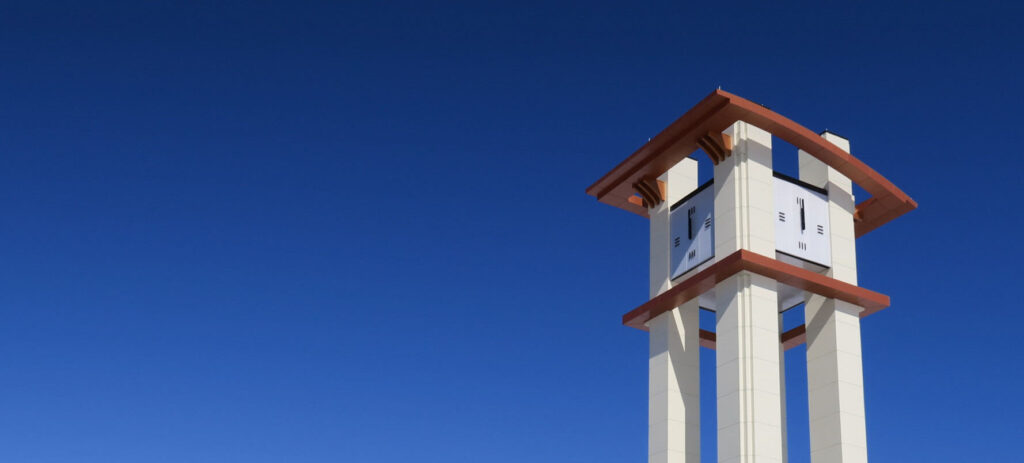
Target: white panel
[[801, 222], [691, 230]]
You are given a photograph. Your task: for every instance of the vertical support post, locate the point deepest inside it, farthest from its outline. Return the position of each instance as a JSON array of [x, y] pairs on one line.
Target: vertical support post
[[674, 388], [680, 180], [782, 395], [835, 379], [747, 357], [674, 401]]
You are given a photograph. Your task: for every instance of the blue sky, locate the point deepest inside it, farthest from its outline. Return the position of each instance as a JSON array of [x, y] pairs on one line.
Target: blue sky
[[356, 231]]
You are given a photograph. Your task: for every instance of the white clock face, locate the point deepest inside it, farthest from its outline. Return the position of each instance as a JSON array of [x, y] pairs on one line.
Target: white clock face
[[690, 230], [801, 225], [801, 222]]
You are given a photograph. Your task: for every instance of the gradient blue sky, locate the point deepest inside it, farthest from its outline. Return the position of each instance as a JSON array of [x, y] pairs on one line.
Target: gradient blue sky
[[356, 231]]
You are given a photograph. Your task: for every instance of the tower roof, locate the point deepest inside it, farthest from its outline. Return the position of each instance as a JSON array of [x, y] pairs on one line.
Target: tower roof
[[714, 114]]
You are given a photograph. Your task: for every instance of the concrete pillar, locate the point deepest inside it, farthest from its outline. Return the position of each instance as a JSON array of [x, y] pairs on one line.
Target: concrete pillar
[[747, 356], [835, 380], [744, 194], [674, 401], [674, 388], [680, 180], [782, 395]]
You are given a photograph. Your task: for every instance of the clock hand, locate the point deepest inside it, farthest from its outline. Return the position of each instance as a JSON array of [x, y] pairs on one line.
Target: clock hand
[[803, 222], [689, 222]]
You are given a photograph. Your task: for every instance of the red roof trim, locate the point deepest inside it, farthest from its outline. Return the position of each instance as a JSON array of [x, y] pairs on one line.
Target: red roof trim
[[717, 112]]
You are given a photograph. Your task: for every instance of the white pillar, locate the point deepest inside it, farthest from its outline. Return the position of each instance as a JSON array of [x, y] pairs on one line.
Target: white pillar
[[674, 388], [744, 194], [674, 405], [782, 395], [835, 380], [747, 356], [680, 180]]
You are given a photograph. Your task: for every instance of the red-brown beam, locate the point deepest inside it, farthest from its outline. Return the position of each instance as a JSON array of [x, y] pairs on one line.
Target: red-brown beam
[[779, 271]]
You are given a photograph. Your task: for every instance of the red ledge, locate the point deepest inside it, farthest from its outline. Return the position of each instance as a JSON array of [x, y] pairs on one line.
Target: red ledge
[[741, 260], [717, 112]]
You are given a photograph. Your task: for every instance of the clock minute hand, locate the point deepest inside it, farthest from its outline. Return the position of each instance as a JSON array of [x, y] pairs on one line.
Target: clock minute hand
[[803, 222], [689, 223]]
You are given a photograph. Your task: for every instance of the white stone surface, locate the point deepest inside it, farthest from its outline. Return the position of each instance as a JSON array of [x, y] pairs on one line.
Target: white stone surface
[[747, 355], [674, 363], [680, 180], [835, 385], [841, 209], [744, 194], [782, 396], [674, 400], [749, 376]]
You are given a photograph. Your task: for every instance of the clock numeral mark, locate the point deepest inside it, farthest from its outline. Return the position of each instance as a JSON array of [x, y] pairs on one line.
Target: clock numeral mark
[[692, 254], [802, 246], [821, 229], [707, 222], [676, 242], [782, 216]]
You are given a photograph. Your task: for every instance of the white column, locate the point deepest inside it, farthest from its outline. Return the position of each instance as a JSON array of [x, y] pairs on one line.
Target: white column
[[744, 194], [680, 180], [674, 405], [749, 399], [674, 388], [782, 395], [835, 379], [747, 356], [841, 209]]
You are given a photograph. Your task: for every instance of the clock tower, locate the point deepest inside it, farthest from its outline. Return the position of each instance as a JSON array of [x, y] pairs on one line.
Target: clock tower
[[748, 245]]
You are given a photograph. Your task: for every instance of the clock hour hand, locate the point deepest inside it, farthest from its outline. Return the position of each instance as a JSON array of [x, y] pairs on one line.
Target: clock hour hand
[[803, 221], [689, 222]]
